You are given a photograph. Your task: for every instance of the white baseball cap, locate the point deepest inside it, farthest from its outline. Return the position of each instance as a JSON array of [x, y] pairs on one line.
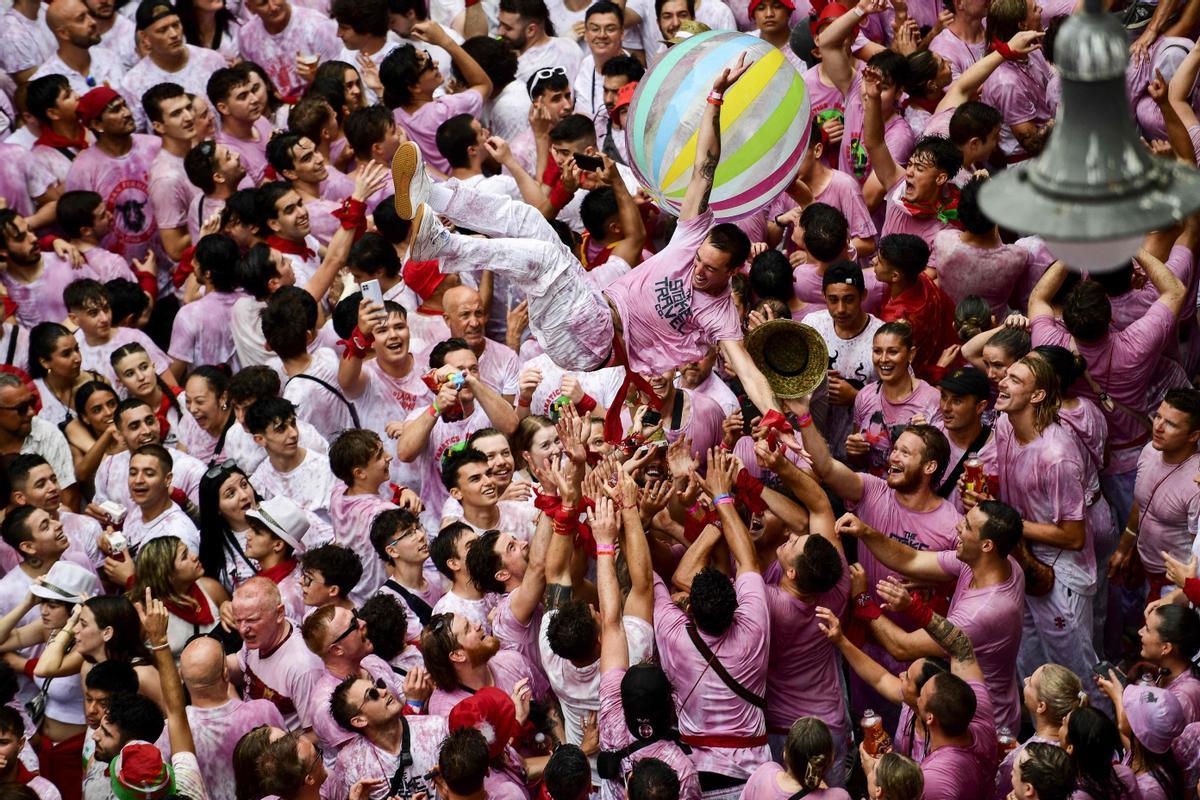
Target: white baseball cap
[[283, 518]]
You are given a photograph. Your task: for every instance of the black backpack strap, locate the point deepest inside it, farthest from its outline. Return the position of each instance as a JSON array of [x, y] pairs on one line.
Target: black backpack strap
[[12, 345], [417, 605], [722, 673], [333, 390], [951, 479], [399, 786]]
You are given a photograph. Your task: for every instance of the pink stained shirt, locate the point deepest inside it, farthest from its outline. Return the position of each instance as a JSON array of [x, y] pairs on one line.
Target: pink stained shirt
[[702, 424], [422, 125], [897, 219], [360, 760], [1119, 365], [807, 284], [332, 735], [1168, 501], [41, 300], [986, 454], [521, 638], [711, 708], [953, 772], [992, 618], [804, 669], [1186, 688], [25, 42], [308, 485], [499, 366], [124, 184], [507, 667], [387, 399], [843, 193], [991, 273], [1045, 482], [614, 735], [428, 463], [1018, 90], [22, 178], [601, 384], [202, 333], [217, 730], [253, 152], [201, 64], [764, 785], [853, 158], [882, 421], [284, 676], [426, 328], [307, 32], [96, 356], [961, 55], [667, 322], [1131, 306], [314, 403], [435, 586], [352, 516]]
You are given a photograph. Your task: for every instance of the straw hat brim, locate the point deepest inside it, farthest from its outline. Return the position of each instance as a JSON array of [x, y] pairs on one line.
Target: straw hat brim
[[791, 356]]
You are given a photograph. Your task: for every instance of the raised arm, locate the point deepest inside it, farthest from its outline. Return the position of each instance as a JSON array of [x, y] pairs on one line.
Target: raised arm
[[532, 191], [972, 79], [500, 411], [719, 481], [871, 671], [154, 617], [804, 487], [55, 661], [695, 557], [845, 482], [10, 621], [640, 602], [565, 479], [1179, 91], [415, 436], [1171, 291], [1045, 289], [916, 564], [708, 145], [883, 164], [753, 381], [525, 598], [614, 650], [473, 75], [633, 229], [945, 633], [837, 63], [370, 180], [350, 372]]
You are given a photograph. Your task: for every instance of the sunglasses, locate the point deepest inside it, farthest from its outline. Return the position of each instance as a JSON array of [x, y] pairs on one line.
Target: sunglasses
[[228, 465], [354, 619], [21, 408], [374, 693]]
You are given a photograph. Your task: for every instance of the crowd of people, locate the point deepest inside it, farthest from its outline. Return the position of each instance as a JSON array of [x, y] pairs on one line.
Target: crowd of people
[[461, 471]]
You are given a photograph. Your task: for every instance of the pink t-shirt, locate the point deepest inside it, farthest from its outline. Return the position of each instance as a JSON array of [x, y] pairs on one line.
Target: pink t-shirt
[[170, 191], [1168, 504], [314, 403], [804, 669], [323, 682], [216, 732], [284, 676], [435, 587], [961, 55], [614, 735], [202, 333], [1131, 306], [201, 64], [1018, 90], [499, 366], [843, 193], [426, 329], [667, 322], [352, 516], [506, 667], [992, 617], [172, 522], [600, 384], [422, 125], [124, 183], [763, 785], [308, 486], [521, 638], [433, 491], [807, 284], [897, 219], [112, 476], [1044, 481], [991, 273], [882, 421], [853, 158], [1119, 365], [22, 178], [361, 760], [307, 32], [712, 708], [41, 300], [387, 399], [1186, 689], [253, 152], [106, 265], [953, 772]]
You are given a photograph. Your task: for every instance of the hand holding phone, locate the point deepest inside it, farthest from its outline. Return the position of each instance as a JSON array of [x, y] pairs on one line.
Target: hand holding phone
[[589, 163], [372, 291]]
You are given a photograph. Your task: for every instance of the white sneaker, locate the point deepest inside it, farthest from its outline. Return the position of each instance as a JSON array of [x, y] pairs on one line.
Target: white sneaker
[[410, 180], [429, 236]]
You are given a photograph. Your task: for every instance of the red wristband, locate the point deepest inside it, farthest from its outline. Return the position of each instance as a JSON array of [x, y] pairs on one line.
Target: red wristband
[[357, 344], [523, 403], [865, 607], [586, 404], [353, 216], [918, 611], [1191, 588], [1006, 52], [559, 196]]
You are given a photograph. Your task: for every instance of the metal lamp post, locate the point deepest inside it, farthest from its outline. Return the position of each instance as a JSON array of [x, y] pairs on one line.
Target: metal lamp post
[[1095, 190]]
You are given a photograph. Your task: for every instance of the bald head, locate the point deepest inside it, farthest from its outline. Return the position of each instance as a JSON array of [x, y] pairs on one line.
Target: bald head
[[202, 663], [258, 612], [71, 24], [465, 315], [258, 591]]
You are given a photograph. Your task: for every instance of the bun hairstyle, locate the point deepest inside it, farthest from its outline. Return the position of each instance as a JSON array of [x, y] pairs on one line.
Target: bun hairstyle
[[808, 752]]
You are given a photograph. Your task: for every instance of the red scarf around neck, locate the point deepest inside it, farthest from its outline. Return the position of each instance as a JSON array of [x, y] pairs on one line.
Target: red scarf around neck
[[289, 247], [280, 571], [200, 614], [944, 209], [48, 138]]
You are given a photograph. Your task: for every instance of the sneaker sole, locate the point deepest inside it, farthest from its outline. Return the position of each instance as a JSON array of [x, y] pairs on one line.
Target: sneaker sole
[[404, 167]]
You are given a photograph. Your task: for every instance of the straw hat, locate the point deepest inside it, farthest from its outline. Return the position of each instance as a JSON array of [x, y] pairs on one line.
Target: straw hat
[[791, 355]]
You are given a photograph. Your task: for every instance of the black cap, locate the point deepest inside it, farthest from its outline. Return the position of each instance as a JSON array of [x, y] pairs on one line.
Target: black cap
[[967, 381], [151, 11], [844, 272]]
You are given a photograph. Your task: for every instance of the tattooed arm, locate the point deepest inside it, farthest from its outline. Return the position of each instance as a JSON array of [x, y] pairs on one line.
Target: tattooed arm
[[957, 645], [708, 146]]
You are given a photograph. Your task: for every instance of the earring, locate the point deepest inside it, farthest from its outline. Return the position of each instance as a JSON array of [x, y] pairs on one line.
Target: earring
[[224, 406]]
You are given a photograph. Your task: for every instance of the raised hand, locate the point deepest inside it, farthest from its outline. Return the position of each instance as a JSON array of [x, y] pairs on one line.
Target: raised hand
[[722, 473], [153, 615], [730, 75], [605, 521], [893, 593], [829, 624]]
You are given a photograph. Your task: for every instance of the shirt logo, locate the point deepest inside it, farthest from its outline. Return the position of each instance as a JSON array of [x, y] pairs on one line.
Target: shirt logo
[[673, 303]]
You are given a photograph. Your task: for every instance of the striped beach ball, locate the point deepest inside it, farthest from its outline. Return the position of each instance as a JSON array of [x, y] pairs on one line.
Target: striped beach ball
[[765, 123]]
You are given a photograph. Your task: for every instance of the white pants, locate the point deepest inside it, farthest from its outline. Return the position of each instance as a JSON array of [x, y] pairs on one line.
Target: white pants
[[1058, 629], [567, 313]]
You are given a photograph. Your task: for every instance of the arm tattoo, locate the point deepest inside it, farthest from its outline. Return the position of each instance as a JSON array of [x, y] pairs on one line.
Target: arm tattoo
[[712, 158], [556, 595], [951, 638]]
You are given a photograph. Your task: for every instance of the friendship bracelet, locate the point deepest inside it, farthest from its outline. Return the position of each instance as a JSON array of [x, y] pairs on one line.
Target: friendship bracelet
[[523, 403], [606, 549], [804, 421], [723, 499], [417, 704], [716, 98]]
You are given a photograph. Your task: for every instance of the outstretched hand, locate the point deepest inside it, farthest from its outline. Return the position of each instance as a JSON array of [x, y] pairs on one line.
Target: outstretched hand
[[730, 75]]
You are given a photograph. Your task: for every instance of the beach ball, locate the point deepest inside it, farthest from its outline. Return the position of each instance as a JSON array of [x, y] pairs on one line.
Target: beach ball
[[765, 122]]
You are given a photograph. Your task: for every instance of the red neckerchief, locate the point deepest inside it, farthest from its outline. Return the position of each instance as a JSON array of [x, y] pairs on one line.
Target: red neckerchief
[[289, 247], [945, 209], [24, 776], [601, 257], [48, 138], [280, 571], [200, 614], [164, 426]]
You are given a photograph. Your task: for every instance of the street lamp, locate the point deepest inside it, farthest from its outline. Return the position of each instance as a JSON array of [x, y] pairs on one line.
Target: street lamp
[[1095, 191]]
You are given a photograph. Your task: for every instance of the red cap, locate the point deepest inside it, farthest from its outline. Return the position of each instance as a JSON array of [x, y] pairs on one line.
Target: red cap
[[828, 14], [491, 711], [92, 104], [625, 95], [423, 277], [790, 5]]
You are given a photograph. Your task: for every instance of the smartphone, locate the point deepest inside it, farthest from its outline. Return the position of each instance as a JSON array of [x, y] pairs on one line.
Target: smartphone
[[651, 417], [371, 291], [589, 163], [1102, 669]]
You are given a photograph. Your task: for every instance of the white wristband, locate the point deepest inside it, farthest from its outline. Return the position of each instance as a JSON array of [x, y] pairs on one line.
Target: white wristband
[[858, 12]]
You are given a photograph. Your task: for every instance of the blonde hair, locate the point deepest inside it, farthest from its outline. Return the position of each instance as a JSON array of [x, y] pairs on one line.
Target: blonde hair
[[1061, 690], [155, 569], [899, 777], [1045, 413]]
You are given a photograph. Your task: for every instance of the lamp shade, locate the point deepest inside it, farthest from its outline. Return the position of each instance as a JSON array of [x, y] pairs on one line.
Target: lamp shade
[[1095, 187]]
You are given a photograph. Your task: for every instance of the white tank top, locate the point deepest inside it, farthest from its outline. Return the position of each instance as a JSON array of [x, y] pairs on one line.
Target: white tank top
[[179, 630]]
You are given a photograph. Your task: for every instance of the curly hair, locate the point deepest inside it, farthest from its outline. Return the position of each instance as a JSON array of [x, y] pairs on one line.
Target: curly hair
[[713, 601], [573, 632]]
